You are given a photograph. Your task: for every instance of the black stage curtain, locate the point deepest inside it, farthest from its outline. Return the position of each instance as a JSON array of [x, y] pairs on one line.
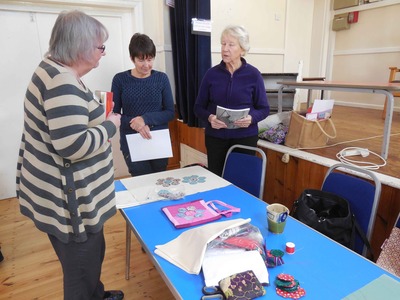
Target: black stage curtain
[[191, 55]]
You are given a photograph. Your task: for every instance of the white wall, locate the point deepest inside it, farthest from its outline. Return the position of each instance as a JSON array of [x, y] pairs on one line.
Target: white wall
[[282, 32], [24, 32], [365, 52], [270, 24]]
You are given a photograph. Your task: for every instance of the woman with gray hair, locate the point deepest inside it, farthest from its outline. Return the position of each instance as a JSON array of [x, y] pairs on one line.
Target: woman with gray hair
[[65, 174], [233, 84]]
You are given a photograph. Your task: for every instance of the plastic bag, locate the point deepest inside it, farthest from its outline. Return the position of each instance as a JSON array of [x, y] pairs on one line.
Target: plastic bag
[[273, 120], [275, 127], [246, 236]]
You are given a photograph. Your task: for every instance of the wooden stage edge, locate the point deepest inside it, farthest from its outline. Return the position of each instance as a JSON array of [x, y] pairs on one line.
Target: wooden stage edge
[[356, 127]]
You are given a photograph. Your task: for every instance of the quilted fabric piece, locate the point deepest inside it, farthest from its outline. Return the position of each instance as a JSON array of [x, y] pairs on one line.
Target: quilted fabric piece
[[389, 259], [243, 286], [276, 134]]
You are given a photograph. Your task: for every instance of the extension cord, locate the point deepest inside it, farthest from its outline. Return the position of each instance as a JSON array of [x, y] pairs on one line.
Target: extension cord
[[353, 152]]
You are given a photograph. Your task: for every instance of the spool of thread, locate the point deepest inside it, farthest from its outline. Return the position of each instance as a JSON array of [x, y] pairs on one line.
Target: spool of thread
[[290, 248]]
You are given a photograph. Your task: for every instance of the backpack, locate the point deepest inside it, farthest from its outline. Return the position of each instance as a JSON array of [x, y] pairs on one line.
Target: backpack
[[331, 215]]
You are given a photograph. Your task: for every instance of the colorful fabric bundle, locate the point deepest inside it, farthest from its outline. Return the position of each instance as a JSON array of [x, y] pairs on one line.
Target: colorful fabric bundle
[[288, 287], [274, 258]]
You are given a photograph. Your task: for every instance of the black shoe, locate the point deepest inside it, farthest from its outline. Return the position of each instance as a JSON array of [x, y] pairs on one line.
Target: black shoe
[[113, 295]]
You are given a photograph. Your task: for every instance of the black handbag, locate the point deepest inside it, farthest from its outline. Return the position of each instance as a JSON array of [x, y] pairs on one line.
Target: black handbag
[[329, 214]]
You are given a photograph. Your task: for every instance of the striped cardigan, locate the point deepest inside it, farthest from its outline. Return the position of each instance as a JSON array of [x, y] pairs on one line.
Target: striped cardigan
[[65, 175]]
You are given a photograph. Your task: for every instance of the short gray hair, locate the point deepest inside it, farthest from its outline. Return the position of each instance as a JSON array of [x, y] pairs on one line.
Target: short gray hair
[[75, 36], [240, 33]]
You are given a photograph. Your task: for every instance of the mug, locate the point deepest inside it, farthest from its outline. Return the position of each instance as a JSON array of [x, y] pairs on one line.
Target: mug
[[277, 215]]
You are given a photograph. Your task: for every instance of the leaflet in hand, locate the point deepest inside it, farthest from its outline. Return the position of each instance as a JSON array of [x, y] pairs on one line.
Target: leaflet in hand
[[105, 98], [229, 116]]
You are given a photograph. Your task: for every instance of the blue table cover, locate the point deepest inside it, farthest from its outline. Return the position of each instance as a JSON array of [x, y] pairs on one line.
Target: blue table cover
[[324, 268]]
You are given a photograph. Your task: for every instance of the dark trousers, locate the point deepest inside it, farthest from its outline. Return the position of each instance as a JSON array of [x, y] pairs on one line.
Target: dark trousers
[[217, 149], [138, 168], [81, 265]]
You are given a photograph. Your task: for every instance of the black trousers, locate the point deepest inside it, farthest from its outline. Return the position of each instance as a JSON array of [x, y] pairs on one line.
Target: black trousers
[[217, 149], [81, 264]]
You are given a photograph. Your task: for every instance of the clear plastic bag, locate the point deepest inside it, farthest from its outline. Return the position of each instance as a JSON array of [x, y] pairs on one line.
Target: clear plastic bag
[[246, 236], [166, 193]]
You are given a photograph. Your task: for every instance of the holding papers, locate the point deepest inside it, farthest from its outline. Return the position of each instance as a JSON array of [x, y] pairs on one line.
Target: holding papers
[[159, 146], [105, 98], [229, 116]]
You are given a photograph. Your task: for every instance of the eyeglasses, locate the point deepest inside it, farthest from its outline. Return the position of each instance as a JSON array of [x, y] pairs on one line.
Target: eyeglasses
[[102, 48]]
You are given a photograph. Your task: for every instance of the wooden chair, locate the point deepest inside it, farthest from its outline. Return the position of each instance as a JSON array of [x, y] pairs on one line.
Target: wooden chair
[[392, 78]]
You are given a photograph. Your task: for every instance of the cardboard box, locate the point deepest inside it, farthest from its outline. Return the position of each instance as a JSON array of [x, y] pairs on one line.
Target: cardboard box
[[339, 4]]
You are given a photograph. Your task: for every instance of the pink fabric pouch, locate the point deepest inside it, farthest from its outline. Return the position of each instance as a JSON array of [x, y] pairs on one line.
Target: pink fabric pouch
[[197, 212]]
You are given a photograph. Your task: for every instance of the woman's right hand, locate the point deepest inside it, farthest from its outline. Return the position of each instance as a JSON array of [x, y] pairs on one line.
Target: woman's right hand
[[215, 123], [115, 118]]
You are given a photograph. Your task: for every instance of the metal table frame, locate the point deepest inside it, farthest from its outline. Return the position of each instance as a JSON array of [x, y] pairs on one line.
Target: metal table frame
[[373, 88]]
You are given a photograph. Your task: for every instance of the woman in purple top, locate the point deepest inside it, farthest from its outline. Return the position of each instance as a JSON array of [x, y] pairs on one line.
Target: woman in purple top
[[232, 84]]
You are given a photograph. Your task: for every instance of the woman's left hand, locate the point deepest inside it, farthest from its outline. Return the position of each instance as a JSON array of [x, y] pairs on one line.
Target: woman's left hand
[[138, 125], [145, 132], [244, 122]]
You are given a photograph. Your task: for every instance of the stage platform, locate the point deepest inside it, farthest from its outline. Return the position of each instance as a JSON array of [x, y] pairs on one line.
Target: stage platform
[[356, 127]]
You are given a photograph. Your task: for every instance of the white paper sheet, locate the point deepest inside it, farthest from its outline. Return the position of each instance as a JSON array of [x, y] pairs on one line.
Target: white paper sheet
[[159, 146], [125, 199], [322, 106], [196, 179]]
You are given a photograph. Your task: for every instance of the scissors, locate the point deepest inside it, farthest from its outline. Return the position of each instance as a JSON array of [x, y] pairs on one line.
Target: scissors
[[212, 293]]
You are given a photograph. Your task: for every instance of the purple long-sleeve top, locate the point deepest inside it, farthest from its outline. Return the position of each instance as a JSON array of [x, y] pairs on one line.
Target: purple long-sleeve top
[[242, 89]]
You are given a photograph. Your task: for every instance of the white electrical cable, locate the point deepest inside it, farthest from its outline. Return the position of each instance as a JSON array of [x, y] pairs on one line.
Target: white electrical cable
[[343, 155]]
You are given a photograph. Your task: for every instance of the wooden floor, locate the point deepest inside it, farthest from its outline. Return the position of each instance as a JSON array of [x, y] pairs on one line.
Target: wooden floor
[[358, 127], [30, 269]]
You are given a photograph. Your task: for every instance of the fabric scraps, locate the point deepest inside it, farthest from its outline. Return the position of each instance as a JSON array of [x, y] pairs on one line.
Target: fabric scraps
[[274, 258], [288, 287], [166, 182], [276, 134], [194, 179]]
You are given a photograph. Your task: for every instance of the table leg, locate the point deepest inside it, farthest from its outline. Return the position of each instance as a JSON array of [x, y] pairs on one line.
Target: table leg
[[128, 251], [309, 94], [388, 124], [280, 98]]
